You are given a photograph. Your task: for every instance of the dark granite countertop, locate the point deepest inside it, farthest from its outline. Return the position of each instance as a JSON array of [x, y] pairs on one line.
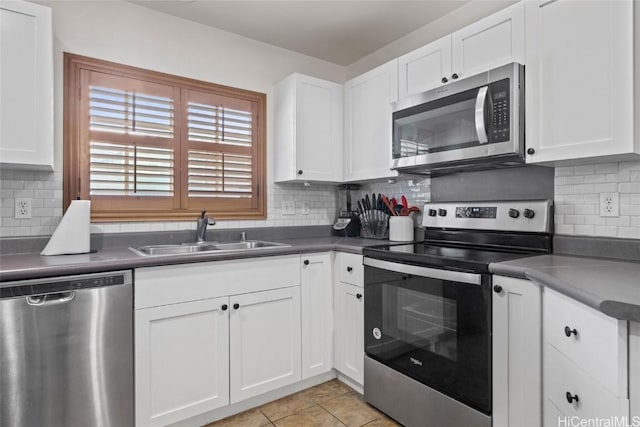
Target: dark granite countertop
[[612, 287], [33, 265]]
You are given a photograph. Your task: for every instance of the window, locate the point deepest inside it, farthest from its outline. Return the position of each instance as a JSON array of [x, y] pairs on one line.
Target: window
[[143, 145]]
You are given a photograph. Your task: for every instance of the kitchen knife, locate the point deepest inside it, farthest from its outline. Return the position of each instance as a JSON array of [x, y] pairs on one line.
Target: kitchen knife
[[374, 203], [360, 210], [379, 202], [367, 202]]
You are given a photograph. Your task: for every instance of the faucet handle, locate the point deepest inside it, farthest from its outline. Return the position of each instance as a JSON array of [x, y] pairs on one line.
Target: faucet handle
[[211, 220]]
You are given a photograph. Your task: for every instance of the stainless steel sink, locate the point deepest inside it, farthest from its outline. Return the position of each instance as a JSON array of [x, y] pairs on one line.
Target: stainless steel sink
[[190, 248]]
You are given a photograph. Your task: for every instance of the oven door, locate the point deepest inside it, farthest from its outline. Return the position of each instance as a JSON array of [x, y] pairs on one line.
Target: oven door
[[432, 325]]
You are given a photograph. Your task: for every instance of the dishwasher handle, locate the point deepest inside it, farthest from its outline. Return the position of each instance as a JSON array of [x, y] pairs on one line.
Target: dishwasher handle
[[51, 299]]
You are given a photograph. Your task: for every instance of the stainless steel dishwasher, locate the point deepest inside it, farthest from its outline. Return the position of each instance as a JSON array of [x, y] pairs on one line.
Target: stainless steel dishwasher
[[66, 351]]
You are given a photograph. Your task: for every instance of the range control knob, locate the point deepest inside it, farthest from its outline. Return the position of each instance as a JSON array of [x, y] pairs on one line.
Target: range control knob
[[514, 213], [442, 212], [528, 213], [433, 212]]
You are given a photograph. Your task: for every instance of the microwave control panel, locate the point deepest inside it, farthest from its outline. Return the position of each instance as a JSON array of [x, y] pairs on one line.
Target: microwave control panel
[[499, 126]]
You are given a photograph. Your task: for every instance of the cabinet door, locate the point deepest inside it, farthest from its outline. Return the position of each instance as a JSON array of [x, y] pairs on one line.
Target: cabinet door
[[265, 341], [368, 99], [182, 361], [579, 79], [349, 330], [317, 315], [489, 43], [26, 86], [425, 68], [517, 369], [308, 130]]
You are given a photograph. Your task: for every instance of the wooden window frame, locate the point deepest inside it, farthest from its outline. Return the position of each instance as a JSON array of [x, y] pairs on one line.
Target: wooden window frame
[[76, 159]]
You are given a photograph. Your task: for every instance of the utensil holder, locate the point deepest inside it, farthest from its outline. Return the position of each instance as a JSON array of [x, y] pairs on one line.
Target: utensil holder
[[401, 229], [374, 224]]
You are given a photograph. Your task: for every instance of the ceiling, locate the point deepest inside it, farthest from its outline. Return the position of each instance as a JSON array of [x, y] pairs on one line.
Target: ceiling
[[341, 32]]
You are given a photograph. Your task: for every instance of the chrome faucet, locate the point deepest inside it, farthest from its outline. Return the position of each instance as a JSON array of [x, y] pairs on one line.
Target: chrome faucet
[[243, 236], [201, 229]]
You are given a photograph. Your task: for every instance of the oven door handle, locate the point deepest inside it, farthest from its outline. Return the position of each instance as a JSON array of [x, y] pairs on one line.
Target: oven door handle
[[434, 273], [480, 126]]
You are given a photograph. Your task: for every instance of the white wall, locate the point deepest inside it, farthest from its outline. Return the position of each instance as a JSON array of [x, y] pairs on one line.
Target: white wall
[[449, 23], [130, 34]]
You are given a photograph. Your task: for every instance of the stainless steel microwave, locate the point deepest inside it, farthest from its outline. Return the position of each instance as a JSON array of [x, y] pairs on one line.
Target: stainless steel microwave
[[471, 124]]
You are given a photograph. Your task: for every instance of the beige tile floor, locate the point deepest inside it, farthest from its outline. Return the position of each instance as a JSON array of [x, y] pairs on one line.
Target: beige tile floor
[[330, 404]]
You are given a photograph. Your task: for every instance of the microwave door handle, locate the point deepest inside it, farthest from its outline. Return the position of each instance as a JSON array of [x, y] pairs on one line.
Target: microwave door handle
[[480, 103]]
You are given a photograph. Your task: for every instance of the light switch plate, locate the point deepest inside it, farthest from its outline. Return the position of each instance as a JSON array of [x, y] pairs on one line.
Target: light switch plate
[[288, 207]]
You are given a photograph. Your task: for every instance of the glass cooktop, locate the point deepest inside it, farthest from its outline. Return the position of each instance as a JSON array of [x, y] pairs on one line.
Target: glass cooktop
[[455, 257]]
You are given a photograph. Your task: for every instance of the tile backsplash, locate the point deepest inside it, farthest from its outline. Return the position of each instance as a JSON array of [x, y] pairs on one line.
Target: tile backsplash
[[577, 199], [45, 190], [416, 190]]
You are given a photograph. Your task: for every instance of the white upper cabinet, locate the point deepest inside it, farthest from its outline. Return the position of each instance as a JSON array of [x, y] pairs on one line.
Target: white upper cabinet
[[26, 86], [367, 135], [579, 80], [489, 43], [486, 44], [308, 130], [425, 68]]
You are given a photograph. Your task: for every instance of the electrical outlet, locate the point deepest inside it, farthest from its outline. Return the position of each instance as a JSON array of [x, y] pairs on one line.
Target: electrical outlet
[[609, 204], [288, 207], [305, 208], [22, 208]]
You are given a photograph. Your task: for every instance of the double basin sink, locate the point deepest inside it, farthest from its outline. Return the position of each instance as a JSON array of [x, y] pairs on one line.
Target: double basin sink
[[192, 248]]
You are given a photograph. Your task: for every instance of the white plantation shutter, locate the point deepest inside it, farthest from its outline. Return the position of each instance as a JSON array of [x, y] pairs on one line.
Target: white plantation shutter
[[146, 145]]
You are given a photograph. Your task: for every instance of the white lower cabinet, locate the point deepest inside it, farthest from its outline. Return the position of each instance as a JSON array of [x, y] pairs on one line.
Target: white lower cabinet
[[349, 330], [517, 366], [198, 347], [585, 371], [264, 332], [316, 288], [182, 360]]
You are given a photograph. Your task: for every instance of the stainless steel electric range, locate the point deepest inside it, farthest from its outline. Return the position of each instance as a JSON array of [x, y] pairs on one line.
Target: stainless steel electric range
[[428, 310]]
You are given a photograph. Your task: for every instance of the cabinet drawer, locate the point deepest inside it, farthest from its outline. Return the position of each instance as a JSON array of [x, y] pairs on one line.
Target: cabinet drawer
[[562, 376], [350, 268], [598, 345], [155, 286]]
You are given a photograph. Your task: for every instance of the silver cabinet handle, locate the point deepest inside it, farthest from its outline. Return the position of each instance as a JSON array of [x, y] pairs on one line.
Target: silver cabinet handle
[[480, 128]]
